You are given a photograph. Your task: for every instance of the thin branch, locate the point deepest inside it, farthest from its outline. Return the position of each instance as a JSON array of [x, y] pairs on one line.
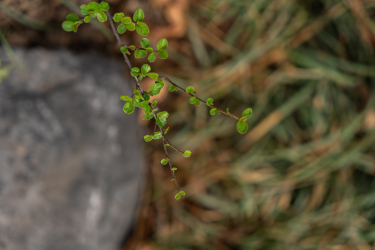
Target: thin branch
[[142, 91], [167, 155], [173, 146], [122, 44], [211, 106]]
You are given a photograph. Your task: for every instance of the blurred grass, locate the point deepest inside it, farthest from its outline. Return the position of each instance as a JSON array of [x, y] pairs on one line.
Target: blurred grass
[[303, 176]]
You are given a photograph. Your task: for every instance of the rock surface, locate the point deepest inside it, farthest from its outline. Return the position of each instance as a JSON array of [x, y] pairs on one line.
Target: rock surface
[[69, 157]]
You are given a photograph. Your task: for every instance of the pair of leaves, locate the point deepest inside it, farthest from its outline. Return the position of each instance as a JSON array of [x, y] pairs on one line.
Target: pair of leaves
[[195, 101], [241, 124], [162, 48], [71, 23], [178, 195]]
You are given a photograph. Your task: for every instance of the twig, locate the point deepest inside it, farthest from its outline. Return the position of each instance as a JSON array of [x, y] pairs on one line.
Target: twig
[[211, 106], [110, 18]]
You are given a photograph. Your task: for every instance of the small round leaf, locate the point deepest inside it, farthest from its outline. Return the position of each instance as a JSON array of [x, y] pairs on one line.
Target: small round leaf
[[152, 57], [139, 15], [190, 89], [178, 196], [142, 29], [87, 19], [121, 28], [163, 54], [117, 17], [145, 69], [247, 113], [125, 98], [145, 43], [68, 26], [148, 138], [104, 6], [153, 75], [242, 127], [126, 20], [128, 108], [102, 17], [165, 161], [94, 6], [72, 17], [139, 53], [186, 153], [162, 44], [209, 101], [130, 26]]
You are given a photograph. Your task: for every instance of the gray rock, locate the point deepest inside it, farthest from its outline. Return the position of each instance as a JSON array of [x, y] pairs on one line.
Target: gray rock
[[69, 157]]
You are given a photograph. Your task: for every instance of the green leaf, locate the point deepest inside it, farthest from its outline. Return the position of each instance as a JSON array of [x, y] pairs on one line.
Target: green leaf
[[242, 127], [132, 47], [87, 19], [148, 138], [163, 115], [154, 102], [163, 54], [145, 69], [93, 15], [148, 117], [84, 10], [139, 15], [162, 44], [172, 88], [197, 102], [186, 153], [146, 97], [93, 6], [247, 113], [121, 28], [182, 192], [142, 29], [174, 169], [161, 122], [135, 71], [128, 108], [143, 104], [126, 20], [126, 98], [145, 43], [124, 49], [154, 110], [156, 87], [140, 78], [228, 111], [213, 111], [153, 75], [75, 28], [147, 110], [136, 92], [104, 6], [150, 50], [192, 100], [178, 196], [152, 57], [190, 89], [102, 17], [139, 53], [130, 26], [165, 161], [72, 17], [157, 135], [209, 101], [68, 26], [117, 17], [166, 131]]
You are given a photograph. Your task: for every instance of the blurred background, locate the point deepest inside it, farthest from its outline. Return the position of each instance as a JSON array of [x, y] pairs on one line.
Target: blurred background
[[302, 177]]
